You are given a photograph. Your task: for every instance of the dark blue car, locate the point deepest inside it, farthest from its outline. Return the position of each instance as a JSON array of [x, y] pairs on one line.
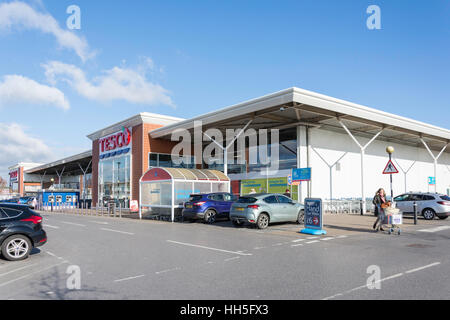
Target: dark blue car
[[208, 207]]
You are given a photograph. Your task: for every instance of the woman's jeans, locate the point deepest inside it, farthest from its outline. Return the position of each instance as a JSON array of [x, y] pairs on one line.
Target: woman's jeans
[[380, 217]]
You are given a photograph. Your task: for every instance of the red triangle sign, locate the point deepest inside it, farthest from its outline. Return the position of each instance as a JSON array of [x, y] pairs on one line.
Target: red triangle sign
[[390, 168]]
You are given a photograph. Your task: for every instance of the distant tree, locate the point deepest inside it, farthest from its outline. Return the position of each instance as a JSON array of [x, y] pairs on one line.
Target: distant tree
[[3, 183]]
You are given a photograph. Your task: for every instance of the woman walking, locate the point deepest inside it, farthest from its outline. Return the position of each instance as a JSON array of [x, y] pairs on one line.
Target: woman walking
[[380, 202]]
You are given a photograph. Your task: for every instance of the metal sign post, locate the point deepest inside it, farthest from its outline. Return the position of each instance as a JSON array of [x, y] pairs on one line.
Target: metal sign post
[[390, 169]]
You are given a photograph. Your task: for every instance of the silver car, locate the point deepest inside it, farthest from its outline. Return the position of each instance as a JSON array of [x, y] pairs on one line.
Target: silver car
[[264, 208], [429, 205]]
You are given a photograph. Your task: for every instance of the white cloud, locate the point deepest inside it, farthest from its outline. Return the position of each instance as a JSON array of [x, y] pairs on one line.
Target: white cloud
[[18, 89], [20, 15], [115, 84], [18, 146]]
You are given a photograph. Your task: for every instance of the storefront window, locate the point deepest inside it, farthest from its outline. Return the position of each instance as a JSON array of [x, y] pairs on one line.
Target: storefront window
[[114, 180], [165, 161]]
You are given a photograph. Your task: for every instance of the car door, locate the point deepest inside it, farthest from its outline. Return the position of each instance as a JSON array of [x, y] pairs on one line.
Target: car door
[[288, 208], [273, 208], [220, 204], [227, 202], [3, 221], [401, 202]]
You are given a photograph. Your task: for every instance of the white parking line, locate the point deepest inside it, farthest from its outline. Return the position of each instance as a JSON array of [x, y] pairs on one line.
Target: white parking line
[[310, 238], [298, 240], [129, 278], [384, 279], [314, 241], [424, 267], [167, 270], [341, 237], [209, 248], [436, 229], [328, 238], [49, 226], [99, 222], [297, 245], [118, 231], [234, 258], [18, 269], [30, 274], [73, 224]]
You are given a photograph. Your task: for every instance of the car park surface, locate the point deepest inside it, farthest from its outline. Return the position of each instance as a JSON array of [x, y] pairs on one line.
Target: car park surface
[[218, 261]]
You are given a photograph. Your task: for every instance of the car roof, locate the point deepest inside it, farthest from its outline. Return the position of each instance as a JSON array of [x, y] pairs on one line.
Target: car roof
[[13, 205]]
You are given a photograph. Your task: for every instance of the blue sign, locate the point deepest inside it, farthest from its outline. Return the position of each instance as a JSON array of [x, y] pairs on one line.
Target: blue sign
[[301, 174], [313, 217], [432, 181], [289, 179]]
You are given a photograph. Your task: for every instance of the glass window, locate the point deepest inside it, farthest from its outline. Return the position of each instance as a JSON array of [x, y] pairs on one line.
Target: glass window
[[246, 200], [153, 160], [114, 180], [271, 199], [446, 198], [284, 199]]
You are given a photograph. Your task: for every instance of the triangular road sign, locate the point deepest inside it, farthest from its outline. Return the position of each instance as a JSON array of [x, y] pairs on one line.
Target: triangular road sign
[[390, 168]]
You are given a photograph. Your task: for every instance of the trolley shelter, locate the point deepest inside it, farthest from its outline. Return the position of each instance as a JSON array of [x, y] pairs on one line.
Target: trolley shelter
[[163, 191]]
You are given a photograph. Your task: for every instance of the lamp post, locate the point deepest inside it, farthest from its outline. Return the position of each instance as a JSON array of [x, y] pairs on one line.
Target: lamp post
[[53, 198], [390, 150]]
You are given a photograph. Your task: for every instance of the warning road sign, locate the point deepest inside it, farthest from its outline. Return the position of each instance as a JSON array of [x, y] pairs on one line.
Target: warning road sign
[[390, 168]]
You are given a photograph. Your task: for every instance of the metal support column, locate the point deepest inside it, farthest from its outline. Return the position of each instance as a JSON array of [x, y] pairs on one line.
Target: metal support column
[[435, 160], [330, 166], [363, 151], [405, 173], [225, 149]]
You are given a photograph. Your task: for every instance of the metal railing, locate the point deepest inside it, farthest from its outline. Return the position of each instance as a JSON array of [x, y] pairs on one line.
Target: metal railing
[[111, 210], [347, 206]]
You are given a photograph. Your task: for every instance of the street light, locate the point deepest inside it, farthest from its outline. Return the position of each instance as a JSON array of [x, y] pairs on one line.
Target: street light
[[53, 198]]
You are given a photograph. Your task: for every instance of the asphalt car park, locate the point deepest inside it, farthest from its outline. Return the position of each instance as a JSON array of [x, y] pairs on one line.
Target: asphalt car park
[[131, 259]]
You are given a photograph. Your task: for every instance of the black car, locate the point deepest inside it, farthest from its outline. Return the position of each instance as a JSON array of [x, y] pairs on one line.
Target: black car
[[20, 231]]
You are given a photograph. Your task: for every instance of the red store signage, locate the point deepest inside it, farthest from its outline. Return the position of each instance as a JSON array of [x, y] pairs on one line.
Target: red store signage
[[14, 175], [115, 141]]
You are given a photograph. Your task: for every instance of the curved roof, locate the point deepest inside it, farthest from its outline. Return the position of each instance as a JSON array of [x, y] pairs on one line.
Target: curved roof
[[182, 174]]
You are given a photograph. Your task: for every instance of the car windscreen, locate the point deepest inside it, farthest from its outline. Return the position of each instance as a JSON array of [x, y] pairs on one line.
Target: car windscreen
[[446, 198], [195, 197], [246, 200]]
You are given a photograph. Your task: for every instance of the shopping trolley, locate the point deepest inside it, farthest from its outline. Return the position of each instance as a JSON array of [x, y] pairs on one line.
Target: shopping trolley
[[393, 217]]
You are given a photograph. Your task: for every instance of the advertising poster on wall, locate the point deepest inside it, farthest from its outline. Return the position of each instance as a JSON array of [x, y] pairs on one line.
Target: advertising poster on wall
[[271, 185]]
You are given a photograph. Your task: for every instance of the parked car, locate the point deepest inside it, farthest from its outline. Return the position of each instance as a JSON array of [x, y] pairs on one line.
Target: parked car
[[27, 201], [429, 205], [264, 208], [20, 231], [208, 207]]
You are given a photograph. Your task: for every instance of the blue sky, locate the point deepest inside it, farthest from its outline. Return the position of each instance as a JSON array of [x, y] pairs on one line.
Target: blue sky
[[197, 56]]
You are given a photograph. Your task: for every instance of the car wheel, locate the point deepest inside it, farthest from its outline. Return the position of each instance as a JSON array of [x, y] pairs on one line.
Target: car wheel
[[301, 217], [17, 247], [428, 214], [443, 217], [210, 216], [263, 221]]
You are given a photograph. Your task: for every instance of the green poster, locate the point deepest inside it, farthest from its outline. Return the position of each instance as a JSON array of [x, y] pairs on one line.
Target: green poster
[[271, 185]]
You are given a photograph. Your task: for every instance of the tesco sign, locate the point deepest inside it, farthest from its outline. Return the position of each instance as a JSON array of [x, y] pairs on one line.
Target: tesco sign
[[115, 141], [14, 175]]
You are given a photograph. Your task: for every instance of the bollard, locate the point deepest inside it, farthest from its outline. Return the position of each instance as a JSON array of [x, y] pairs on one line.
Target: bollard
[[415, 212], [361, 207]]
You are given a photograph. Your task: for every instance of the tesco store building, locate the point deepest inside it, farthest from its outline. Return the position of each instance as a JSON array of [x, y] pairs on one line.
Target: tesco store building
[[342, 142]]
